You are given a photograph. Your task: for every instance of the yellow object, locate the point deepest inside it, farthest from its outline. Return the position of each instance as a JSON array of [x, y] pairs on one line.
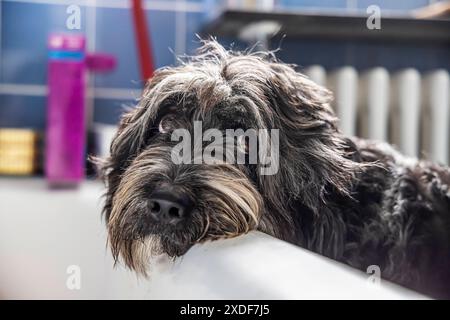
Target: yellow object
[[18, 151]]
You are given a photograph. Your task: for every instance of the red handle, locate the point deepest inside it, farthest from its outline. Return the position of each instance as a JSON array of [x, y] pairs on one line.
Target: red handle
[[143, 40]]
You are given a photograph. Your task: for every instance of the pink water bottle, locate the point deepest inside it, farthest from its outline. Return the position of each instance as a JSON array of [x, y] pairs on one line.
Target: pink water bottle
[[65, 151]]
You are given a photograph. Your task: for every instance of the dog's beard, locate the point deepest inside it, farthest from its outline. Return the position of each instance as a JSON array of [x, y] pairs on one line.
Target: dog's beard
[[226, 204]]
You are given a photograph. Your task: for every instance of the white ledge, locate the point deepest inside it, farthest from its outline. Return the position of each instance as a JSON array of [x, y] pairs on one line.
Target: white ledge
[[257, 266], [44, 232]]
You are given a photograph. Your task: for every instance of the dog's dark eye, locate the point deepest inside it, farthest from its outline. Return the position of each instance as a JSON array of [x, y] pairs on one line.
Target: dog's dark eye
[[166, 124]]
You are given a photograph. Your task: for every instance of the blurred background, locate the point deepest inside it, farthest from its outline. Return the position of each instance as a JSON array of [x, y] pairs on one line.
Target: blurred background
[[68, 70], [335, 37]]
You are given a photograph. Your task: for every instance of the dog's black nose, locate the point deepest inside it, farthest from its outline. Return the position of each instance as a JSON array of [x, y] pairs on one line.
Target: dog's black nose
[[169, 208]]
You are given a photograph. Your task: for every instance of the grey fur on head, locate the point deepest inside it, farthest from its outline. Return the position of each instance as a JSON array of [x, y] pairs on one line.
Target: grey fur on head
[[352, 200]]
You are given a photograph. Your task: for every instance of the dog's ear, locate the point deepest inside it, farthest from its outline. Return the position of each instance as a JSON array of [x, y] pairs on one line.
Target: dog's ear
[[135, 128], [312, 149], [123, 148], [300, 102]]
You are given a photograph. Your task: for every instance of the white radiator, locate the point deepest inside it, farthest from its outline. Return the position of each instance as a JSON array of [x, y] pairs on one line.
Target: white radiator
[[406, 108]]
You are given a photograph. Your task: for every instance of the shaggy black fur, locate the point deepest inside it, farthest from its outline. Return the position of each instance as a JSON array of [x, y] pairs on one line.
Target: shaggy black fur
[[399, 219], [355, 201]]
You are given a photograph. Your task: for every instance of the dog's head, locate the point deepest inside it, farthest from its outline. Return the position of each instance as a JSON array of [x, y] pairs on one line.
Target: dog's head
[[163, 197]]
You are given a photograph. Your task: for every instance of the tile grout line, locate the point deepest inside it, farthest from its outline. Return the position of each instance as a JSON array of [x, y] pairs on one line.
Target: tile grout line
[[180, 28], [23, 89], [91, 29], [120, 4], [41, 91]]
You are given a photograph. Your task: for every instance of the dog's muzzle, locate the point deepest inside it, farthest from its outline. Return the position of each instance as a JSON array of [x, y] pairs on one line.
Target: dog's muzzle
[[160, 207]]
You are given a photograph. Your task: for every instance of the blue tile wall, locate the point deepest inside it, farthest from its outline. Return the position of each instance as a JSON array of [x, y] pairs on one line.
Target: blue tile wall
[[326, 4], [109, 110], [112, 25], [21, 111], [115, 35], [25, 27], [194, 22]]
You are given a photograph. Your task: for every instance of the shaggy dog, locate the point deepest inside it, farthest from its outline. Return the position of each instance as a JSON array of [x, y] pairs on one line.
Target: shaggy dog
[[356, 201]]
